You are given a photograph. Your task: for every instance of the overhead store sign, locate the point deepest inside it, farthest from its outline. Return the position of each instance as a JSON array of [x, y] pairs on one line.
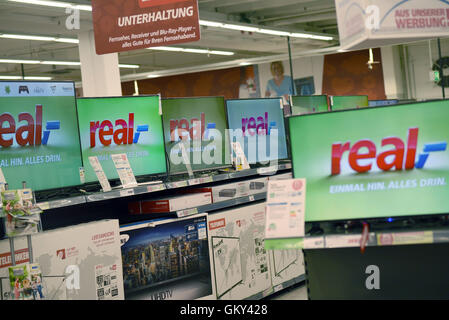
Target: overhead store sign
[[370, 23], [124, 25]]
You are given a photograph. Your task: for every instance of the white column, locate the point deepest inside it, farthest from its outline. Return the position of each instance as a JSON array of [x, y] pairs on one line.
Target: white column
[[100, 73], [393, 73]]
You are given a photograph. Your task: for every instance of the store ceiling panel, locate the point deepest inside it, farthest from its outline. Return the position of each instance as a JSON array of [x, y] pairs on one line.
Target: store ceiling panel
[[298, 16]]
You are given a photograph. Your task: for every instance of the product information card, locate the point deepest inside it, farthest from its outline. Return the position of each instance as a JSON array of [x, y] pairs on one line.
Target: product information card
[[96, 165], [124, 170], [285, 209]]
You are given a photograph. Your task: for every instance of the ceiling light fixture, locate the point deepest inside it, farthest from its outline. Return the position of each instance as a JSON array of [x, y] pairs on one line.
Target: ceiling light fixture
[[60, 63], [55, 4], [208, 23], [38, 38], [26, 78], [192, 50]]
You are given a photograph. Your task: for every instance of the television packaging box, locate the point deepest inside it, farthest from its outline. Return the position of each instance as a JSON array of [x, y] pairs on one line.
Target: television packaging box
[[241, 266], [170, 204], [166, 259], [233, 190], [81, 262]]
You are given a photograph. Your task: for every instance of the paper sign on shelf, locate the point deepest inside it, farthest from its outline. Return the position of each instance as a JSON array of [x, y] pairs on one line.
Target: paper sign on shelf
[[124, 170], [286, 210], [101, 176], [2, 180], [240, 161], [186, 159]]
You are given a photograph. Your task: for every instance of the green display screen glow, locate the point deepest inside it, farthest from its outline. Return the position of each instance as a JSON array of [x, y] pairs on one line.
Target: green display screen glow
[[39, 139], [308, 104], [373, 162], [348, 102], [199, 125], [130, 125]]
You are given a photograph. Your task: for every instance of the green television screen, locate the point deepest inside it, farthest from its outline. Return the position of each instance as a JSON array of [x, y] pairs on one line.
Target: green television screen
[[348, 102], [308, 104], [39, 138], [114, 125], [199, 126], [374, 162]]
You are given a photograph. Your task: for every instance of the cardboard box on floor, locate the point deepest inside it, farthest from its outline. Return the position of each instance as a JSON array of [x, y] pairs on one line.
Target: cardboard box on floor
[[81, 262]]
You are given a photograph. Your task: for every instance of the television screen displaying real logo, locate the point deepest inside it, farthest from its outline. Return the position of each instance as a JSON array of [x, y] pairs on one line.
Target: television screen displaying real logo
[[130, 125], [198, 125], [373, 162], [258, 124], [308, 104], [39, 138], [348, 102]]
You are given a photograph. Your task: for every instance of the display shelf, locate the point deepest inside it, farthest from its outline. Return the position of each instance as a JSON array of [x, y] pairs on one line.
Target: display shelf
[[221, 205], [62, 203], [150, 188], [380, 238], [278, 288]]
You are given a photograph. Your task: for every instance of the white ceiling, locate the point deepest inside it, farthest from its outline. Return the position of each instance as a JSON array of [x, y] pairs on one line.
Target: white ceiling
[[315, 16]]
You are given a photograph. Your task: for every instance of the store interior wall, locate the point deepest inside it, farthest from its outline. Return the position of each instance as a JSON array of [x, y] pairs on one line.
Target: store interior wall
[[402, 72]]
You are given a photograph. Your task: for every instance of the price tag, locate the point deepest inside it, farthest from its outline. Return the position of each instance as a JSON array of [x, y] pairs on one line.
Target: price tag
[[44, 205], [156, 188], [82, 175], [101, 176], [266, 170], [124, 170], [279, 287], [206, 179], [251, 198], [126, 192], [193, 182], [186, 212]]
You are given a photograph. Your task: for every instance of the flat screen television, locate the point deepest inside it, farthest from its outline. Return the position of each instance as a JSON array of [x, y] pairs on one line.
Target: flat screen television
[[373, 163], [39, 137], [348, 102], [169, 256], [380, 103], [131, 125], [199, 126], [308, 104], [258, 125]]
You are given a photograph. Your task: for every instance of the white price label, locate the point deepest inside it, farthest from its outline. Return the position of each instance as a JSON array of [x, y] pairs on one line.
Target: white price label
[[126, 192]]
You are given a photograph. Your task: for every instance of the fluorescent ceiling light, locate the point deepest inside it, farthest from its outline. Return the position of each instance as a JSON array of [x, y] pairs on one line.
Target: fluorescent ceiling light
[[62, 63], [244, 64], [192, 50], [55, 4], [38, 38], [211, 24], [26, 78], [274, 32], [129, 66], [153, 76], [61, 4], [240, 28]]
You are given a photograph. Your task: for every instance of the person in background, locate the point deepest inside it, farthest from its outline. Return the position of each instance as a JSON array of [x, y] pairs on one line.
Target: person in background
[[280, 85]]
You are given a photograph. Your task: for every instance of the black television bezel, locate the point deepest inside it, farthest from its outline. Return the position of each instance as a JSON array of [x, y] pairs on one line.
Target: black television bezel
[[367, 219], [211, 169], [117, 180], [64, 187], [315, 95], [286, 130]]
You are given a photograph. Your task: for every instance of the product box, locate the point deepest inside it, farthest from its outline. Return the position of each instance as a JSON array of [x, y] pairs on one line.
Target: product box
[[240, 266], [170, 204], [81, 262], [166, 259], [230, 191]]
